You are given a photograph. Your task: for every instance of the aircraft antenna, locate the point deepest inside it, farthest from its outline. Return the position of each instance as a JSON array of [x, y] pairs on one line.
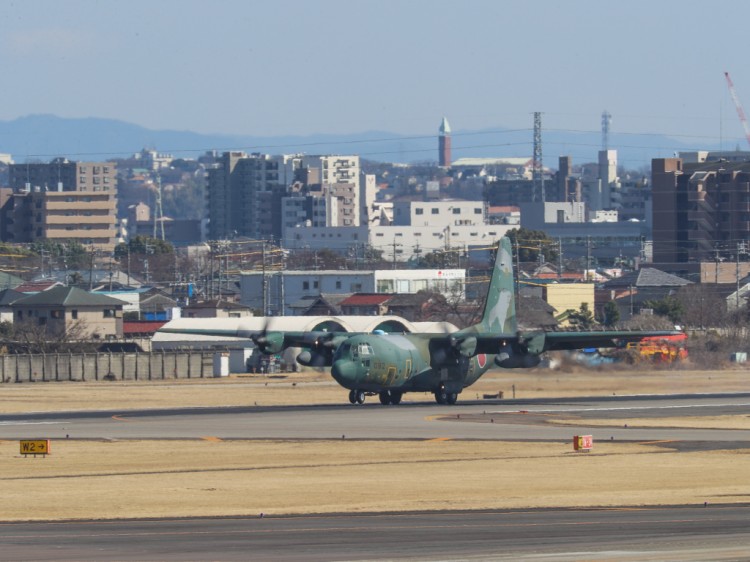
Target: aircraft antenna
[[738, 105]]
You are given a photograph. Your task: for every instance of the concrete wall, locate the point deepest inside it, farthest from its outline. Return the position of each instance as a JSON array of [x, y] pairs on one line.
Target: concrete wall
[[105, 366]]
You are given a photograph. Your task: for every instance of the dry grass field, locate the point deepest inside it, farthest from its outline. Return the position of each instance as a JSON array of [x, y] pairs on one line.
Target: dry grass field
[[192, 478], [102, 479]]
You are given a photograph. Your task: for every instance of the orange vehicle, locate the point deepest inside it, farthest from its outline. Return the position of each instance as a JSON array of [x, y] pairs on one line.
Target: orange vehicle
[[662, 349]]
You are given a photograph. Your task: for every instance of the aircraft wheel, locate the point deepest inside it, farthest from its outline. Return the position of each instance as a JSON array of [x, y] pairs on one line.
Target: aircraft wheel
[[395, 397], [441, 397], [353, 396], [385, 397], [451, 398], [360, 396]]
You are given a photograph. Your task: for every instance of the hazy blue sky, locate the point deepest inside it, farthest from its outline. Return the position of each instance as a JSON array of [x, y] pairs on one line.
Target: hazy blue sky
[[340, 66]]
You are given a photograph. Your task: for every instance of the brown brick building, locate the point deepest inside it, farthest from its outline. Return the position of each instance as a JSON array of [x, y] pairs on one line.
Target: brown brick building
[[62, 200], [701, 211]]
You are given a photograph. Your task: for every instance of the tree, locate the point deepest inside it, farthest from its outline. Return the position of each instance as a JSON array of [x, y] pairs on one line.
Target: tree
[[611, 314], [669, 306], [143, 245], [529, 242], [583, 318]]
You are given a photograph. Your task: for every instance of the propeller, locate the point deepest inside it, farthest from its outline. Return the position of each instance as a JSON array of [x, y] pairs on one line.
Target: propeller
[[268, 342]]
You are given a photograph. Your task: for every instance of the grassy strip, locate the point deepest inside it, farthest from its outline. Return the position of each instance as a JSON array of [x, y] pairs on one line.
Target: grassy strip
[[124, 479]]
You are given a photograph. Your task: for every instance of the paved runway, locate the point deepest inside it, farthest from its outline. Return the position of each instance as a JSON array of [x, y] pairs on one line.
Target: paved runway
[[684, 534], [681, 533], [501, 420]]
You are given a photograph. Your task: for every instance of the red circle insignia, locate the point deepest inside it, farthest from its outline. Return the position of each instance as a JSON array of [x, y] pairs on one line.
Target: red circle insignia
[[481, 360]]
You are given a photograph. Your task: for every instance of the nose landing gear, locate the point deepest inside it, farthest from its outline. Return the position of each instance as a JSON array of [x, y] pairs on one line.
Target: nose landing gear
[[442, 396]]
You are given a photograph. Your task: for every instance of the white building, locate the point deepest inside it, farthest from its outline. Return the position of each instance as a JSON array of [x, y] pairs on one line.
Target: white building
[[291, 286]]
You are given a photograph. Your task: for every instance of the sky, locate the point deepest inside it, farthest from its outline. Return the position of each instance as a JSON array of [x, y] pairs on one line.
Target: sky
[[302, 67]]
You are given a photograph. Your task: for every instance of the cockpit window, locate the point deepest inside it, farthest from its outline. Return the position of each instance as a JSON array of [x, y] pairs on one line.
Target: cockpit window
[[365, 349]]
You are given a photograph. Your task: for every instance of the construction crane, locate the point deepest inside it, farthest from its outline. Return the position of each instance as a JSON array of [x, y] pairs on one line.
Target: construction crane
[[738, 105]]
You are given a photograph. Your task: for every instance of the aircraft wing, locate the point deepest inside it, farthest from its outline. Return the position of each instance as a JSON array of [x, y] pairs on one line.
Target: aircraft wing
[[537, 342], [554, 341]]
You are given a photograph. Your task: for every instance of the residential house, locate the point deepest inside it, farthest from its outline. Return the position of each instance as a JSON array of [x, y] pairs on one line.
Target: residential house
[[69, 309]]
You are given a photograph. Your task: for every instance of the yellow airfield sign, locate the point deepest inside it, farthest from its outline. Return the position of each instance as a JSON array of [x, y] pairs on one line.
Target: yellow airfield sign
[[35, 447]]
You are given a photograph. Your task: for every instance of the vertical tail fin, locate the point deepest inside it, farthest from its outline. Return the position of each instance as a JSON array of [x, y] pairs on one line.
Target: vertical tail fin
[[500, 308]]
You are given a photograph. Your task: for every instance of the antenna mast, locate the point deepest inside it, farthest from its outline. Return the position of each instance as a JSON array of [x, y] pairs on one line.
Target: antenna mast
[[738, 105], [537, 166]]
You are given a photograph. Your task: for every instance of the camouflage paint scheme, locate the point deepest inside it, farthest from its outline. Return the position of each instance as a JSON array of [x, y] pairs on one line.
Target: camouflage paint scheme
[[441, 363]]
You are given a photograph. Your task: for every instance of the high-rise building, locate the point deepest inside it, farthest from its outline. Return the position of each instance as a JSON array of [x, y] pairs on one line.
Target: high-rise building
[[62, 200], [701, 211], [444, 144], [242, 191]]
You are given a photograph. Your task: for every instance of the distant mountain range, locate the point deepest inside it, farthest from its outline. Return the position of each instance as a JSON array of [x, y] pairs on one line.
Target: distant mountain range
[[43, 137]]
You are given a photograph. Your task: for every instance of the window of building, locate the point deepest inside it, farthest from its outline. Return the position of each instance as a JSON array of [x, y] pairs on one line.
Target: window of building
[[477, 210], [74, 314], [338, 284], [305, 285], [315, 284], [435, 211], [108, 313], [456, 210], [57, 314], [419, 211]]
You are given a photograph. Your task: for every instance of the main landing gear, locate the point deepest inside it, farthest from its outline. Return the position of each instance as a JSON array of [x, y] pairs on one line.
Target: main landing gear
[[390, 397], [442, 396], [386, 396], [357, 396]]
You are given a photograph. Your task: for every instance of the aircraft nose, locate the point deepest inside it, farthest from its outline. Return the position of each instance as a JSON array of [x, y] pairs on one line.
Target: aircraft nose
[[344, 372]]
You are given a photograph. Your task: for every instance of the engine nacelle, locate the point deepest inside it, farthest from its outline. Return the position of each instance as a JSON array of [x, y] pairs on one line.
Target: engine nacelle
[[515, 361], [311, 359]]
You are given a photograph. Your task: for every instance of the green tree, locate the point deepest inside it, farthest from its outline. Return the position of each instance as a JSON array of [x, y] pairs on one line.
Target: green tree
[[143, 245], [611, 314], [529, 242], [669, 306], [583, 318]]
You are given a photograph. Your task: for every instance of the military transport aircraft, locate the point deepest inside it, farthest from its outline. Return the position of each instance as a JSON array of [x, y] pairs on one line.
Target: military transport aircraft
[[388, 364]]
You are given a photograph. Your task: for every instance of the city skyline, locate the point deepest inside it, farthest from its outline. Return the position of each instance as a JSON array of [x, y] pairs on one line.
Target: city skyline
[[334, 67]]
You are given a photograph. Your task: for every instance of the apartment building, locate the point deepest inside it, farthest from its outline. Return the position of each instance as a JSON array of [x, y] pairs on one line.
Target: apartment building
[[701, 210], [60, 201], [244, 193]]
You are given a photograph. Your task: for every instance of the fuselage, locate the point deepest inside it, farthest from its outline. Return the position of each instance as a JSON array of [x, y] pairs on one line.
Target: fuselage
[[404, 363]]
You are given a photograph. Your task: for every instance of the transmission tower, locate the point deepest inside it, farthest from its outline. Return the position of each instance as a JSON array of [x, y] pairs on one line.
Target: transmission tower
[[537, 167], [606, 122], [159, 211], [738, 105]]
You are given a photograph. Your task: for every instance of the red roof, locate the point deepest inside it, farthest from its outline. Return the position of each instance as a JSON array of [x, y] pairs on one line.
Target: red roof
[[37, 286], [141, 327], [365, 300]]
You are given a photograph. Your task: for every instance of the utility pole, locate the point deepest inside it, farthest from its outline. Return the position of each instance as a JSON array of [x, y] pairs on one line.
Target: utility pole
[[264, 282], [588, 256], [737, 276], [91, 268], [559, 258], [518, 274]]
